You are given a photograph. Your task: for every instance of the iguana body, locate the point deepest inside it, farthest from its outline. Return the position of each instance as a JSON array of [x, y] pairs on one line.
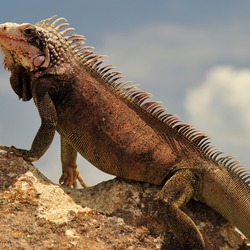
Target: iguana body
[[113, 126]]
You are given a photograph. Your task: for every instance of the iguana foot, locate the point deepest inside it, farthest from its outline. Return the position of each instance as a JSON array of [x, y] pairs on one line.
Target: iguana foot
[[18, 152], [70, 176], [5, 148]]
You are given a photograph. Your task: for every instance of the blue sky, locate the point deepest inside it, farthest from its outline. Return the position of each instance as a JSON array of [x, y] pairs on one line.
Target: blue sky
[[192, 55]]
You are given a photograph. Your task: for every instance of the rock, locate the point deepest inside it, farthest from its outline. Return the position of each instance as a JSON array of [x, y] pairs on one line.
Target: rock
[[117, 214]]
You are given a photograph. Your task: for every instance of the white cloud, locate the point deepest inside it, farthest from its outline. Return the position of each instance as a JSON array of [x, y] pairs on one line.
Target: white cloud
[[220, 106], [163, 53]]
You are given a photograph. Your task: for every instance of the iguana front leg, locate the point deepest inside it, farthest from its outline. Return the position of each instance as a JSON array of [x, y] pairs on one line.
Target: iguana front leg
[[176, 192], [70, 172], [45, 133]]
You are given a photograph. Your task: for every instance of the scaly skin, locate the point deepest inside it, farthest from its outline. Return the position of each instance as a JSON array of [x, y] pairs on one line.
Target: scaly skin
[[113, 126]]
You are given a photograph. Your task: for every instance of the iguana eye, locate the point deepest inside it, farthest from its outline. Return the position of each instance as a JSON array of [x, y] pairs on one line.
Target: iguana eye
[[29, 31], [36, 41]]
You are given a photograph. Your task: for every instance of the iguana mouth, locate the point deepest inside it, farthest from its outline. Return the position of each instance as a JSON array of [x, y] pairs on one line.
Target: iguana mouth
[[5, 37], [13, 38], [8, 39]]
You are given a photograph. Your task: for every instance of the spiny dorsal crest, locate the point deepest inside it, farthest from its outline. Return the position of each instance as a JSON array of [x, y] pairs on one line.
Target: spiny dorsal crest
[[196, 140], [58, 43]]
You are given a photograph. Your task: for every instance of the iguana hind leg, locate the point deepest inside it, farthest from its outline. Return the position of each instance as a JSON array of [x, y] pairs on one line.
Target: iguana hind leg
[[70, 172], [176, 192]]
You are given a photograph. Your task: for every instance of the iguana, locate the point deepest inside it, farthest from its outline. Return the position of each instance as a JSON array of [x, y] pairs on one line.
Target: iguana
[[115, 127]]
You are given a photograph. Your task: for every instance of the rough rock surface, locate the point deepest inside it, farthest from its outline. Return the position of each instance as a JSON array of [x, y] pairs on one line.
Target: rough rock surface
[[118, 214]]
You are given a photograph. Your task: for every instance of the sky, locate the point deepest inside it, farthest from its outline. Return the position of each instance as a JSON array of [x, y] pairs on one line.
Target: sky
[[194, 56]]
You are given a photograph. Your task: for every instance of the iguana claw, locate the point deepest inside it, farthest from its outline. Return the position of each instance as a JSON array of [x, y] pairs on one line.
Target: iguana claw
[[18, 152], [5, 148], [10, 150], [70, 176], [82, 182]]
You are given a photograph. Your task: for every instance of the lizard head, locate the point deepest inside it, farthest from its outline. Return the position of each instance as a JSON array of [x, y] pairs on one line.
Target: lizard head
[[24, 52], [23, 45], [29, 50]]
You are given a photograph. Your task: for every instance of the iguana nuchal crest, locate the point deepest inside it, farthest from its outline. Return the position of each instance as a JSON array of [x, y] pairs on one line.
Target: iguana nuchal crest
[[115, 127]]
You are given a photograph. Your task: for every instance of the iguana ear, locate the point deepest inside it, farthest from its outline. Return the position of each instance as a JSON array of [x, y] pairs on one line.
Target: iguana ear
[[20, 83]]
